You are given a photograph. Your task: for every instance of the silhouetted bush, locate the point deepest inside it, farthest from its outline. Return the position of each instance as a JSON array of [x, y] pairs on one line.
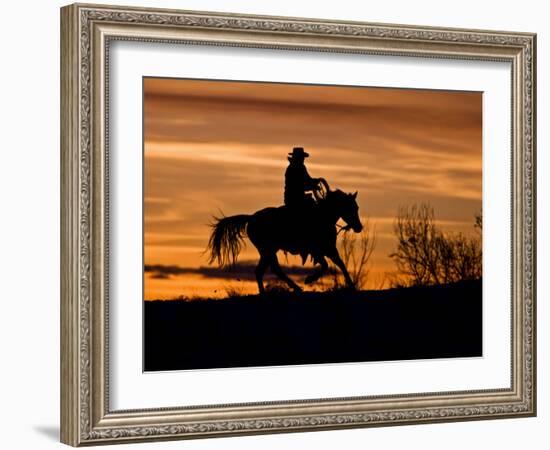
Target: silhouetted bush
[[425, 255], [356, 251]]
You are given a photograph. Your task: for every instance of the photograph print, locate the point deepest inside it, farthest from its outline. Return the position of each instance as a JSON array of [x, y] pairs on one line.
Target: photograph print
[[289, 224]]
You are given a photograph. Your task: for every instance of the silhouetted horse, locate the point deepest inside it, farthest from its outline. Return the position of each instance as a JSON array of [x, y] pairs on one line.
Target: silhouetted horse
[[309, 231]]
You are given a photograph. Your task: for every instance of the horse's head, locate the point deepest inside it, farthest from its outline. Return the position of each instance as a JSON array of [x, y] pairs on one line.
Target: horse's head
[[345, 205]]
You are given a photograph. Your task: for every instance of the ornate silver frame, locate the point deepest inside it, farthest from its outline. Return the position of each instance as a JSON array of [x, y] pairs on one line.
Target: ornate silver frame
[[86, 31]]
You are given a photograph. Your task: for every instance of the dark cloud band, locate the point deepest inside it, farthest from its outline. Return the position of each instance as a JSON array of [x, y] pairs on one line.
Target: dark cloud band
[[241, 271]]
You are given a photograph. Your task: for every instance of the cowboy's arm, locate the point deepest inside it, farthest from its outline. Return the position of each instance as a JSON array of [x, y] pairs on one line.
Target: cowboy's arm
[[310, 183]]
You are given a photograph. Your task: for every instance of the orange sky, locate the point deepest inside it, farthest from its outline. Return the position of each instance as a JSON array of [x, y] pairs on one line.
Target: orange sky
[[214, 146]]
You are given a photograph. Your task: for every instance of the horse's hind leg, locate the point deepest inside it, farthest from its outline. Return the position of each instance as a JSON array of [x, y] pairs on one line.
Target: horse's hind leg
[[260, 270], [283, 276], [319, 272]]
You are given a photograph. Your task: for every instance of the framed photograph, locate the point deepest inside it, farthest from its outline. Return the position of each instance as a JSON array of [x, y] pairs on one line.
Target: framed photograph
[[275, 224]]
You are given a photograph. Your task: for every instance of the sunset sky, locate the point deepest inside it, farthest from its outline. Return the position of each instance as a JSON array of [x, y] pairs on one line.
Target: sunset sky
[[219, 146]]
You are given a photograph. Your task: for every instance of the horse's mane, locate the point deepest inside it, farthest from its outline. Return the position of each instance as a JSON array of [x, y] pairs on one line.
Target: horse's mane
[[336, 193]]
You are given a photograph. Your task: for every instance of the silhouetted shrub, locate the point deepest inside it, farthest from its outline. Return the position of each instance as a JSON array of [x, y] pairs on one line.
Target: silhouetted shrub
[[356, 251], [426, 255]]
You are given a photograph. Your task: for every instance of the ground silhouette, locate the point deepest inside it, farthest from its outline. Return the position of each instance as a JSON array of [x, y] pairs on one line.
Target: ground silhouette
[[284, 328]]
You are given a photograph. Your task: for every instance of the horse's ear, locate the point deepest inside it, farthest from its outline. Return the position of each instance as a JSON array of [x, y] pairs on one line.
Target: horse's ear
[[354, 195]]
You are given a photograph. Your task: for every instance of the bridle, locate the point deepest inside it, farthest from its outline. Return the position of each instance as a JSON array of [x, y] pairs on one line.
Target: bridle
[[320, 195]]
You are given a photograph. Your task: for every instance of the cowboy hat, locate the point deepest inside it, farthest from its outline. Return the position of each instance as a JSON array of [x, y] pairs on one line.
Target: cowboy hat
[[298, 152]]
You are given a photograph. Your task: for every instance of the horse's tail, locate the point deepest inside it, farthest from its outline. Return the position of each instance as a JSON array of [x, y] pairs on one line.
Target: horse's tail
[[226, 239]]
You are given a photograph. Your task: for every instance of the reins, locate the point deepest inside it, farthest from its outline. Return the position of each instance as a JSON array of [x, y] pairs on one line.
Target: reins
[[343, 228]]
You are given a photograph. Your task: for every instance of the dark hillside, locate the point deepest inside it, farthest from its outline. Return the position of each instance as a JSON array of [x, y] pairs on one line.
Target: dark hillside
[[331, 327]]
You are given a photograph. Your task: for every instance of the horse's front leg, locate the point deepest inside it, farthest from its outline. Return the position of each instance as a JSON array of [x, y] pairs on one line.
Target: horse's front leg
[[335, 257], [312, 278], [283, 276]]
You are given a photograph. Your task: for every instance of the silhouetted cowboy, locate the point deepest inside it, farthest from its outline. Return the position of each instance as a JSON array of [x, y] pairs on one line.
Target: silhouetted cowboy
[[298, 181], [299, 202]]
